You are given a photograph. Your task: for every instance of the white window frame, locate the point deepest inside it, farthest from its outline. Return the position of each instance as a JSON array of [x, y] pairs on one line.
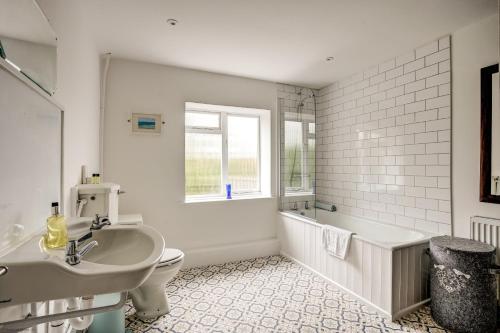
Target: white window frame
[[224, 112], [308, 135]]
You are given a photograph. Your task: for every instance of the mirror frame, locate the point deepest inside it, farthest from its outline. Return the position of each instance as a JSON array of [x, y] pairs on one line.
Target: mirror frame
[[486, 135]]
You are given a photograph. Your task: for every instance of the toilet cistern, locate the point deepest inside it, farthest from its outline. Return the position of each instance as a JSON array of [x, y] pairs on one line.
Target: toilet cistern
[[87, 200]]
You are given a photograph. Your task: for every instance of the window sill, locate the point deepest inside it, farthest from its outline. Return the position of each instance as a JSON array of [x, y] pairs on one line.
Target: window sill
[[222, 199], [298, 194]]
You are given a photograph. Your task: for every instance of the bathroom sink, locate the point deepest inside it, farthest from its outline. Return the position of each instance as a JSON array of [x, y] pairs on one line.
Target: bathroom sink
[[119, 247], [125, 257]]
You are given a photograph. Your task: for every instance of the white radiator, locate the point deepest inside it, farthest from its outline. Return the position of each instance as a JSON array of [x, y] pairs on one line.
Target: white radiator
[[486, 230]]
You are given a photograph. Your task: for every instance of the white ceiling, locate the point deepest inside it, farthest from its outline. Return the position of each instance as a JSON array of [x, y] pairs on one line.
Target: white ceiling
[[277, 40]]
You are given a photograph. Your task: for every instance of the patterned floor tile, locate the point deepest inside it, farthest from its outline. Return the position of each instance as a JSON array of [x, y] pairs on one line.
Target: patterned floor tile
[[267, 295]]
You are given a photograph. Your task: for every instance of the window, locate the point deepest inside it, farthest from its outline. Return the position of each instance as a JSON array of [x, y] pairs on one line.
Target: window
[[203, 163], [299, 155], [243, 153], [222, 146]]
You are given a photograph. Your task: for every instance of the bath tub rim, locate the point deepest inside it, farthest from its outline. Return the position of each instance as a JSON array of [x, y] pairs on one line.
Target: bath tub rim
[[386, 245]]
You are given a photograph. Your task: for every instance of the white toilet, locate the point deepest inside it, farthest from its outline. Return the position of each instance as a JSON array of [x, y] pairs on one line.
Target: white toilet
[[150, 300]]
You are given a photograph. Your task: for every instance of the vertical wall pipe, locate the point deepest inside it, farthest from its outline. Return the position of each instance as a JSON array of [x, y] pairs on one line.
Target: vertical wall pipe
[[104, 80]]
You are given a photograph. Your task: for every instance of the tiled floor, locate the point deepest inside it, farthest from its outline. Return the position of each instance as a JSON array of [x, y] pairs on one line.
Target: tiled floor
[[271, 294]]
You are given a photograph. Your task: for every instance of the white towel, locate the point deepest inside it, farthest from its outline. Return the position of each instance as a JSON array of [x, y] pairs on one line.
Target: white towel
[[336, 241]]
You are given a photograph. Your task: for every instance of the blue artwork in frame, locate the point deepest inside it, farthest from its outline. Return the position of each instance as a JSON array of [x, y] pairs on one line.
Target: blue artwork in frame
[[146, 123]]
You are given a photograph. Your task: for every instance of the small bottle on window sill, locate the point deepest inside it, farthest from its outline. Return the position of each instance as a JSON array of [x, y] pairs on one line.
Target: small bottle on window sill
[[228, 191]]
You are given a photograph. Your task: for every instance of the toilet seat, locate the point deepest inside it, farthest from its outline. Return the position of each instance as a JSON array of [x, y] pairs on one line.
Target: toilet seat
[[170, 257]]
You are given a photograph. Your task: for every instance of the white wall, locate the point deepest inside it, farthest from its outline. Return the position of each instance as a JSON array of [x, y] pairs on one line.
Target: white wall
[[383, 141], [151, 168], [473, 47], [78, 84], [78, 93]]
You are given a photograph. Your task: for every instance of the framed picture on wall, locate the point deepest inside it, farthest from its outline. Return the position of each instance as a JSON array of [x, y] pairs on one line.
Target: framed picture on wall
[[146, 123]]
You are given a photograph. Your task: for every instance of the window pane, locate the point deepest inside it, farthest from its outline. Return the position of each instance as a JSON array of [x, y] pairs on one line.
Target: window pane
[[312, 128], [243, 151], [202, 119], [293, 155], [203, 163]]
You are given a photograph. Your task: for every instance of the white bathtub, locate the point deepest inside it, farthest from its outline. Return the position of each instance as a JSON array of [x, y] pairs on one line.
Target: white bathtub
[[386, 266]]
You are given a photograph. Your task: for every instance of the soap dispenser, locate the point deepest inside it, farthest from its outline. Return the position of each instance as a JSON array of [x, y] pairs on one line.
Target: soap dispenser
[[57, 232]]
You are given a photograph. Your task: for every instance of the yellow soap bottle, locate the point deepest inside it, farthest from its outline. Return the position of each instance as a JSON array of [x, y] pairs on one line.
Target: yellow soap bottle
[[57, 232]]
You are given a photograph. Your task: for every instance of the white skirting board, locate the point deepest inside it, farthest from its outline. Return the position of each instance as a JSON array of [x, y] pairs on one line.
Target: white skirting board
[[232, 252]]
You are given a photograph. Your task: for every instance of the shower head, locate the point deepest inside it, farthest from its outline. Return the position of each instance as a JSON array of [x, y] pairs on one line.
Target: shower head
[[303, 99], [311, 95]]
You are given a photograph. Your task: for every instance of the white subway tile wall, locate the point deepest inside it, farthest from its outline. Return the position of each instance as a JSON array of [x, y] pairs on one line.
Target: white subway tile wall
[[383, 141]]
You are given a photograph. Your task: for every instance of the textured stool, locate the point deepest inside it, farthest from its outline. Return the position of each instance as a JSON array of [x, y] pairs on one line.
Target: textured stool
[[463, 291]]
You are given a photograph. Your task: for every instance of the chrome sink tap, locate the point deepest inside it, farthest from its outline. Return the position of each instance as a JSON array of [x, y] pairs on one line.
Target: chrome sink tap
[[74, 253], [99, 222]]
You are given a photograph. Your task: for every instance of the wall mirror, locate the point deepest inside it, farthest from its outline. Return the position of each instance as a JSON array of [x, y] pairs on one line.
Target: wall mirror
[[28, 42], [490, 135], [31, 154]]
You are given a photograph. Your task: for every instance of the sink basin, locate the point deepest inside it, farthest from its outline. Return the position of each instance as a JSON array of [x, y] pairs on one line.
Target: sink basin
[[123, 260], [119, 247]]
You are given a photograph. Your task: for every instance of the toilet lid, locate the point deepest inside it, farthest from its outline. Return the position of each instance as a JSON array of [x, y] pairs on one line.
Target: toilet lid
[[170, 256]]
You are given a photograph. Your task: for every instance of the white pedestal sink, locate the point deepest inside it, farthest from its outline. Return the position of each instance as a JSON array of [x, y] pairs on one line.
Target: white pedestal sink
[[125, 257]]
